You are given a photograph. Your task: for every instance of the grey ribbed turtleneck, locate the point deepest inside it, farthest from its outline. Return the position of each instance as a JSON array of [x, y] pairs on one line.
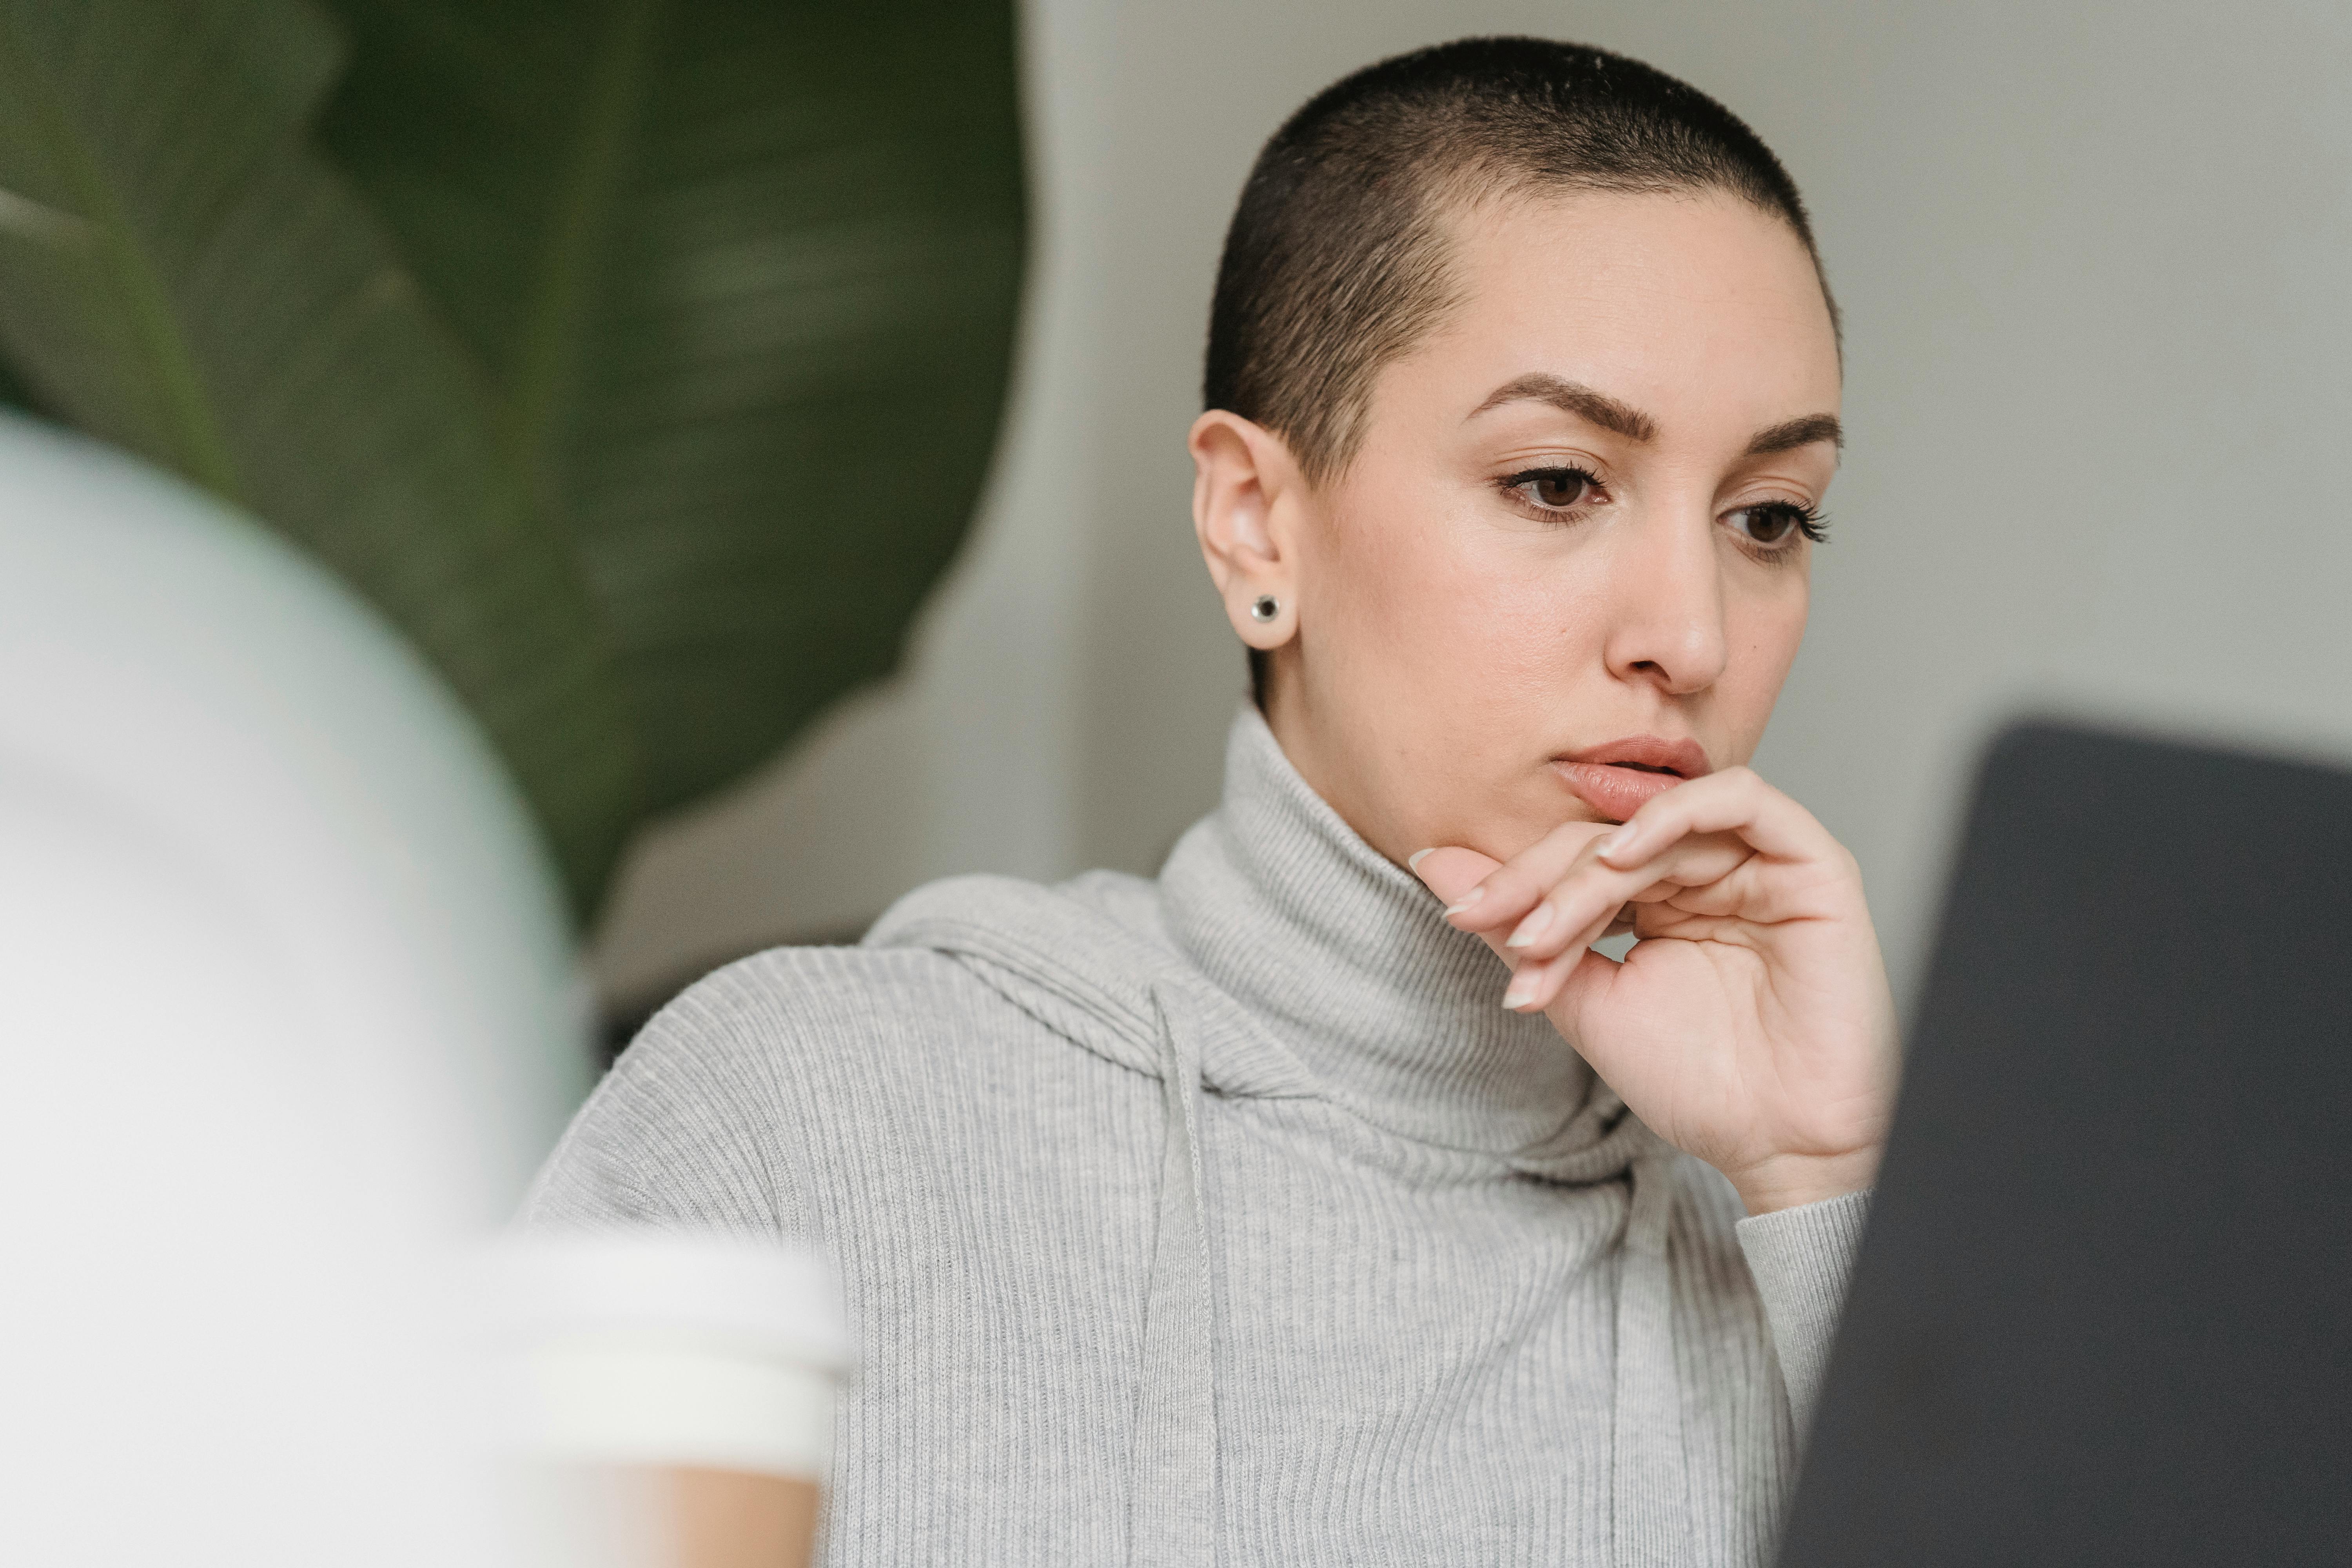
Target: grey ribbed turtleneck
[[1228, 1219]]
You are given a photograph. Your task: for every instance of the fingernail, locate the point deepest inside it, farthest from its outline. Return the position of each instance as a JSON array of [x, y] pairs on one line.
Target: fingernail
[[1465, 900], [1413, 862], [1535, 925], [1617, 843], [1522, 991]]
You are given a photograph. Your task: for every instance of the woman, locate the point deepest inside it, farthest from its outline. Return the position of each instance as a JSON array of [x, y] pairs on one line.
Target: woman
[[1227, 1217]]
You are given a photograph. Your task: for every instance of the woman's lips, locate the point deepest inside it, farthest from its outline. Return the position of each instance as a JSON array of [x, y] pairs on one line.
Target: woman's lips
[[1621, 777], [1615, 793]]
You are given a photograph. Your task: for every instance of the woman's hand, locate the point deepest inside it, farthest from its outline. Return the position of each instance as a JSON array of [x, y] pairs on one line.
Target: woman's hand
[[1752, 1026]]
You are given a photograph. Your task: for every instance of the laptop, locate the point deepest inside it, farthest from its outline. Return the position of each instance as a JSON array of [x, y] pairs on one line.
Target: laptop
[[2104, 1310]]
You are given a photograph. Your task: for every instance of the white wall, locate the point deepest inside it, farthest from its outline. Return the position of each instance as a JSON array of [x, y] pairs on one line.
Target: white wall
[[2093, 264]]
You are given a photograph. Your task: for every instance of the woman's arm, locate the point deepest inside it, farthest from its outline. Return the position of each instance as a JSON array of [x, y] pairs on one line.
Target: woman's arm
[[1801, 1259]]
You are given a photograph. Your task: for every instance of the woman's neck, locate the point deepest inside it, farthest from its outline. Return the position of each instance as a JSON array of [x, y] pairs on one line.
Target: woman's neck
[[1342, 955]]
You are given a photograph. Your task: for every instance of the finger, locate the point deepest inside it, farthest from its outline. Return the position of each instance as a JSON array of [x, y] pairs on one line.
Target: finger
[[1733, 801], [1576, 993], [1536, 982], [1452, 872], [1540, 980], [1505, 895], [1593, 893]]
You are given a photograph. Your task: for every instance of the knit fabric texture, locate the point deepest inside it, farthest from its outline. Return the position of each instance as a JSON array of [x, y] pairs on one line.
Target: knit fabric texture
[[1228, 1219]]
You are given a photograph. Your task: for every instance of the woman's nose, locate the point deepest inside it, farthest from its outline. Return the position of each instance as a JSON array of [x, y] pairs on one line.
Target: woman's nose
[[1668, 602]]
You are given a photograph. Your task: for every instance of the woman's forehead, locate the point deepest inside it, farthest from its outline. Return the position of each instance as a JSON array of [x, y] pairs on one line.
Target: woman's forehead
[[1645, 302]]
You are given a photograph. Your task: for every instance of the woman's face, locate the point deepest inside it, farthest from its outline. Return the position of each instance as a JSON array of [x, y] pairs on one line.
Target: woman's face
[[1572, 548]]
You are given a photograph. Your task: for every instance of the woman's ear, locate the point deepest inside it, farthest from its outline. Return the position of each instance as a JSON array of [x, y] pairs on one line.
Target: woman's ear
[[1246, 489]]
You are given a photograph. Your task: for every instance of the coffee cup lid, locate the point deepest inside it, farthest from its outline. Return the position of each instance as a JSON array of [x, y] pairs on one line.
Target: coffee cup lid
[[776, 1297]]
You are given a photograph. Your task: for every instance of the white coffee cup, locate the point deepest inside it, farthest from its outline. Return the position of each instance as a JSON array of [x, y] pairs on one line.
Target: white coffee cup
[[669, 1396]]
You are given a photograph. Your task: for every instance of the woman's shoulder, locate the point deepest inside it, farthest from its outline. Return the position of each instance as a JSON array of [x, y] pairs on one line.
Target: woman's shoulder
[[968, 1003], [966, 965], [806, 986], [746, 1099], [804, 1005]]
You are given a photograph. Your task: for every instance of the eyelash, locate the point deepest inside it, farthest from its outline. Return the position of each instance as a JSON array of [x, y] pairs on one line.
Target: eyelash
[[1809, 520]]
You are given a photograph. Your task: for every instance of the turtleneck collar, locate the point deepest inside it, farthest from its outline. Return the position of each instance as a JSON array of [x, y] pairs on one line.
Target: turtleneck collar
[[1345, 960]]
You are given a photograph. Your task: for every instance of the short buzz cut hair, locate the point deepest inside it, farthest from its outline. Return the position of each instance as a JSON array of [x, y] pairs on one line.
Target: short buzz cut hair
[[1336, 262]]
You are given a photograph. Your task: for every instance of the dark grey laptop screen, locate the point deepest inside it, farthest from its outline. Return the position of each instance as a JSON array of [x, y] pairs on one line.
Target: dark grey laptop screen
[[2104, 1314]]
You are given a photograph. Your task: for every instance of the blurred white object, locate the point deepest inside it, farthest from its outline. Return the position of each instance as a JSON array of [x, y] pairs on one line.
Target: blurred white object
[[289, 1015], [667, 1398], [661, 1348]]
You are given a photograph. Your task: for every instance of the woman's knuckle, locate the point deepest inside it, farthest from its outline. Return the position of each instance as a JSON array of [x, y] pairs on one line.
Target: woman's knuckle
[[1516, 885]]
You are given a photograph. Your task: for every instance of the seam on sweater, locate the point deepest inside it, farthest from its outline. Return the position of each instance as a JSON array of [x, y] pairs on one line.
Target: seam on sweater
[[979, 948], [1038, 967], [978, 967]]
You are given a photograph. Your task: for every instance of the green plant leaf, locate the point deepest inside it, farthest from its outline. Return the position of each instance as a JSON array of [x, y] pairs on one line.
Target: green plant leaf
[[14, 393], [179, 273], [744, 274]]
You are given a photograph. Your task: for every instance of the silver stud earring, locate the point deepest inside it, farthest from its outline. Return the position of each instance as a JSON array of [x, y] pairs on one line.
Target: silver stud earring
[[1265, 609]]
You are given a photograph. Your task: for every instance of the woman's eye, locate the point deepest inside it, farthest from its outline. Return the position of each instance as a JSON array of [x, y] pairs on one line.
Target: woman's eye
[[1554, 489], [1772, 522]]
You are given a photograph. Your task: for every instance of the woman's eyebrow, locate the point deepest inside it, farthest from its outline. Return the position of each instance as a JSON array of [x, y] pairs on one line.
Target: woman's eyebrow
[[1791, 433], [1574, 397], [1598, 407]]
